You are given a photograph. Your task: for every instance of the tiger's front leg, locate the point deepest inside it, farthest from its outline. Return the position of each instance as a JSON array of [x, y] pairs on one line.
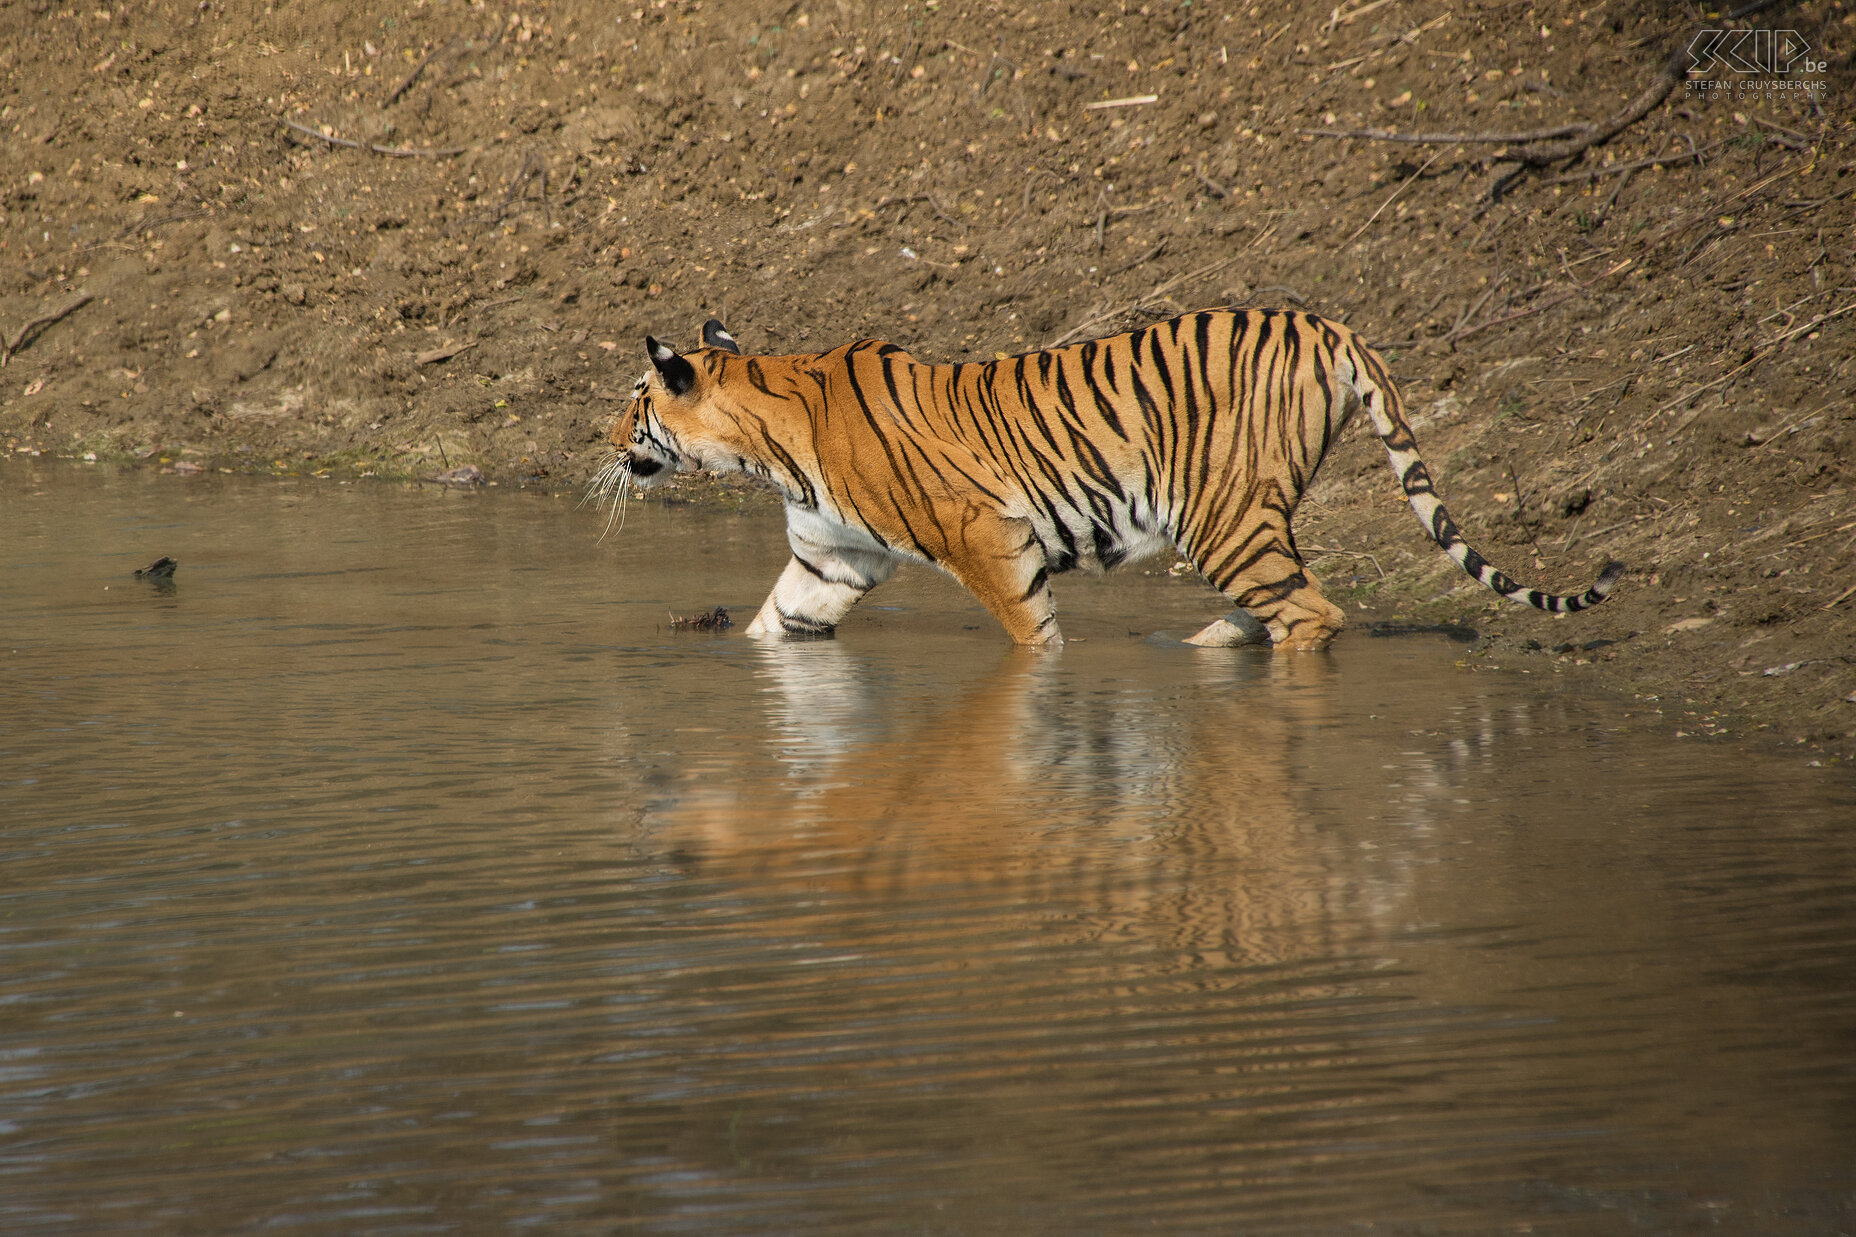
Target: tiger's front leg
[[831, 567]]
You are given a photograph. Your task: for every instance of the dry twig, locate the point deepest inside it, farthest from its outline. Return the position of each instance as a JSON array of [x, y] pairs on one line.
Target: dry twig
[[417, 69], [396, 152], [1406, 184], [1322, 549], [713, 620], [27, 332], [1486, 139], [923, 197], [1759, 354], [1464, 333], [1031, 183], [1692, 155]]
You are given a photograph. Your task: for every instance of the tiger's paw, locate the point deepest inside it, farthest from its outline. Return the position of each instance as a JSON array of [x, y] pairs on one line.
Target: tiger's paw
[[770, 624], [1304, 636]]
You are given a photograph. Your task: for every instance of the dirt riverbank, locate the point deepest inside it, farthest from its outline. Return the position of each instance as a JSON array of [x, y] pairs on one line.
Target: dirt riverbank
[[399, 239]]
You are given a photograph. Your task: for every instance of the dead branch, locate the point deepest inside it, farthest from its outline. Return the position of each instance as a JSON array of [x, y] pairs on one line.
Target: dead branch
[[145, 226], [922, 197], [396, 152], [1636, 165], [1144, 259], [1538, 307], [417, 69], [1489, 139], [1406, 184], [1282, 290], [1457, 327], [30, 330], [1760, 353], [433, 356], [534, 168], [1611, 199], [1323, 549], [1031, 183], [713, 620]]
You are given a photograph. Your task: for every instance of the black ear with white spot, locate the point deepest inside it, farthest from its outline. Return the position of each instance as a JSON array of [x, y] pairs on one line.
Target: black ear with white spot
[[715, 335], [678, 374]]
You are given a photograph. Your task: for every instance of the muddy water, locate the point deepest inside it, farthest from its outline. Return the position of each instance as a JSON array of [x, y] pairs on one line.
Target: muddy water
[[399, 870]]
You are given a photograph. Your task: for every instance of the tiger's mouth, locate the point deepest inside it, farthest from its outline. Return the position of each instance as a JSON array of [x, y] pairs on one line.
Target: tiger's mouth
[[622, 470], [627, 468]]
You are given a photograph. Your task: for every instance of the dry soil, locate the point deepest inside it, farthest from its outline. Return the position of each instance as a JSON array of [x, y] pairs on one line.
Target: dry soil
[[404, 239]]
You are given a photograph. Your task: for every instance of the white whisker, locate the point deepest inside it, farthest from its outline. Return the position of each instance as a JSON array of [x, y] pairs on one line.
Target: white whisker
[[610, 486], [615, 519]]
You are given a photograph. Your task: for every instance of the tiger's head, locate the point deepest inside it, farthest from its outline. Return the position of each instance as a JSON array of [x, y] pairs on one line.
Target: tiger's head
[[671, 424]]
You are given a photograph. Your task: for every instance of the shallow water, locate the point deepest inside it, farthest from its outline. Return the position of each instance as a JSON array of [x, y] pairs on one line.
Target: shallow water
[[399, 870]]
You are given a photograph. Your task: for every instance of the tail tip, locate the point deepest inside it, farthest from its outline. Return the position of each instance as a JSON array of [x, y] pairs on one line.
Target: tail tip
[[1608, 578]]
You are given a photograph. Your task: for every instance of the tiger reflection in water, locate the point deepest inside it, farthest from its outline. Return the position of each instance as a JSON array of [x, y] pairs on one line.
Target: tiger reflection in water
[[1190, 828]]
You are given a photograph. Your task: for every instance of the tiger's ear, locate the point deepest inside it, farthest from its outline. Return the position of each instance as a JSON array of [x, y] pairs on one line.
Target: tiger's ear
[[715, 335], [678, 374]]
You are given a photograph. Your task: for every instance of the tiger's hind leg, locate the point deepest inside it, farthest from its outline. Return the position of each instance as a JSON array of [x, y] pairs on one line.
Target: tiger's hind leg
[[1001, 561], [1264, 577]]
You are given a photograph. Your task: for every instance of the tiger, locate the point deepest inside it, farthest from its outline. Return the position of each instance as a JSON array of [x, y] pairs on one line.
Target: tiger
[[1200, 433]]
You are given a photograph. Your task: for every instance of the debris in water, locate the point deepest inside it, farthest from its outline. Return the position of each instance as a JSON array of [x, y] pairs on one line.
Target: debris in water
[[715, 620]]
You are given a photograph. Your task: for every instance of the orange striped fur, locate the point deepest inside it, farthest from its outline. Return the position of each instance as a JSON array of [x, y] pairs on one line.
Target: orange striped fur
[[1202, 432]]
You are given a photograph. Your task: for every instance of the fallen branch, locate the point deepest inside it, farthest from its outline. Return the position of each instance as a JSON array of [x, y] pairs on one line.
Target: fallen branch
[[1031, 183], [1457, 326], [433, 356], [1338, 18], [535, 168], [417, 69], [396, 152], [1389, 43], [1382, 206], [1282, 290], [713, 620], [1539, 307], [1759, 354], [1637, 165], [28, 332], [1488, 139], [1158, 248], [922, 197], [1812, 325], [1322, 549], [145, 226], [1792, 426]]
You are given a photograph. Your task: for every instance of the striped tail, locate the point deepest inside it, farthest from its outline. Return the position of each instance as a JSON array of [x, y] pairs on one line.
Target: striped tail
[[1381, 401]]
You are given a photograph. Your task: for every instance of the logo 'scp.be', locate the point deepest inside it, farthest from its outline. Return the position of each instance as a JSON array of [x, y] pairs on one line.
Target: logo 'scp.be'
[[1752, 51]]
